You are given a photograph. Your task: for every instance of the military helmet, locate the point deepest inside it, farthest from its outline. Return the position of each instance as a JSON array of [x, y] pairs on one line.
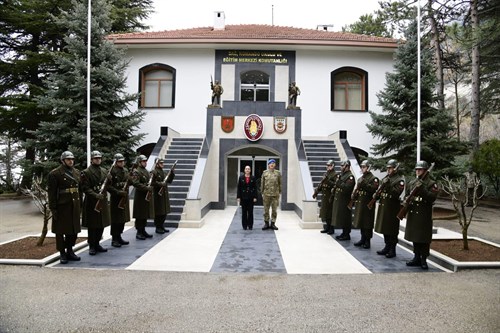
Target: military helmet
[[422, 165], [141, 158], [345, 162], [67, 154], [391, 163], [365, 163], [119, 157], [330, 162], [158, 160], [95, 154]]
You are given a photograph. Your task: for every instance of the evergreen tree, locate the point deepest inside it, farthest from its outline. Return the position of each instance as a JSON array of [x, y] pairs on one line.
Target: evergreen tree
[[396, 127], [112, 124], [29, 39]]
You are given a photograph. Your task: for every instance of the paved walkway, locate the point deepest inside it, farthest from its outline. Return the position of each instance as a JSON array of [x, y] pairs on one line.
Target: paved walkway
[[222, 246]]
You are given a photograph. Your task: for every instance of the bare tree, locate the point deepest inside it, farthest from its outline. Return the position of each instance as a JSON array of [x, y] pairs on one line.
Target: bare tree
[[460, 196], [41, 199]]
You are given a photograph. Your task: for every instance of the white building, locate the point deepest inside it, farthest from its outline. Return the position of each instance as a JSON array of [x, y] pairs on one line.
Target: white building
[[339, 75]]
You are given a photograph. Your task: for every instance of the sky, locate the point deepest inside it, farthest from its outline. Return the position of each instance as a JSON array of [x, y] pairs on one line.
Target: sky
[[184, 14]]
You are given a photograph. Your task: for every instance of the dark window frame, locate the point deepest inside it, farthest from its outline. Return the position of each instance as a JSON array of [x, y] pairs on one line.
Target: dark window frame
[[142, 74], [364, 87]]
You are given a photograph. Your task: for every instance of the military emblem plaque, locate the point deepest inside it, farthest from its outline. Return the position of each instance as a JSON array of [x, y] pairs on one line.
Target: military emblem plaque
[[227, 123], [253, 127], [280, 124]]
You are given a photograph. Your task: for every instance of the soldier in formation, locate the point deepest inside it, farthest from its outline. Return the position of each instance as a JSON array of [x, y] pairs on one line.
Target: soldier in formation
[[387, 222], [270, 188], [419, 217], [119, 202], [341, 214], [363, 216], [160, 195], [64, 196], [325, 186], [95, 215], [143, 208]]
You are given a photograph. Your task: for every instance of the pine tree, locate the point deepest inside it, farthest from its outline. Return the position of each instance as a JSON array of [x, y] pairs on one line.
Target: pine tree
[[113, 125], [396, 126]]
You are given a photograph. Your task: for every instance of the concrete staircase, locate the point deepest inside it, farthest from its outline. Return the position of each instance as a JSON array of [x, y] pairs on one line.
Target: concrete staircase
[[186, 151], [318, 152]]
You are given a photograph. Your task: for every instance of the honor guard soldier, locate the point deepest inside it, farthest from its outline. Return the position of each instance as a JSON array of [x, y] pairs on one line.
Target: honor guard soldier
[[387, 222], [270, 188], [325, 187], [160, 195], [95, 215], [119, 202], [64, 202], [363, 217], [419, 217], [143, 208], [341, 214]]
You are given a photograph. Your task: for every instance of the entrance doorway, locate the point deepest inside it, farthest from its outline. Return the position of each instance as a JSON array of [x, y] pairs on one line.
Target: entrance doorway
[[236, 166]]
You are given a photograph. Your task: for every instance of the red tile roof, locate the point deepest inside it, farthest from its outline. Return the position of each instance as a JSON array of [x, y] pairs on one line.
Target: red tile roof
[[252, 32]]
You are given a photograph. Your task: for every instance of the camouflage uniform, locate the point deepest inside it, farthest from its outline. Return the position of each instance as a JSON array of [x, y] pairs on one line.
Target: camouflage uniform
[[270, 188]]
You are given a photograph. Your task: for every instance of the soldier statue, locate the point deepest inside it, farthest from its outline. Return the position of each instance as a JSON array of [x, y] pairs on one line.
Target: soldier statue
[[270, 188], [217, 91], [341, 214], [293, 92]]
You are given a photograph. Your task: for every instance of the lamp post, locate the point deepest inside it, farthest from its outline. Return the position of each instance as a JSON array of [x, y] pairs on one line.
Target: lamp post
[[89, 23]]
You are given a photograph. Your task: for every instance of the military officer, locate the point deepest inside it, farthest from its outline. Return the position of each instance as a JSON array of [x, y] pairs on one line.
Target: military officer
[[95, 215], [325, 187], [143, 208], [341, 214], [387, 222], [64, 196], [270, 187], [363, 217], [419, 217], [119, 202], [160, 195]]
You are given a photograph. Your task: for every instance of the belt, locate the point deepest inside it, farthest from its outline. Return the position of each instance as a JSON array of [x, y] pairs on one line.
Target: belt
[[69, 190]]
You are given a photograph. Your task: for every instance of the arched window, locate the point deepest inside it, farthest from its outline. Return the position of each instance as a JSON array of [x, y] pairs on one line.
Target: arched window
[[349, 89], [157, 86], [254, 86]]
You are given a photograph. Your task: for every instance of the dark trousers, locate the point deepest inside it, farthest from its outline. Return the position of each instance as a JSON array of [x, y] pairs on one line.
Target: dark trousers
[[421, 249], [64, 241], [117, 229], [140, 223], [159, 220], [247, 213], [95, 235], [391, 239], [366, 233]]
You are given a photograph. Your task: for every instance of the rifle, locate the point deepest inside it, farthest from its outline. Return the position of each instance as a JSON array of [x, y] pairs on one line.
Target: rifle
[[413, 193], [162, 189], [337, 177], [316, 190], [355, 194], [211, 82], [98, 204], [380, 189], [123, 200], [151, 175]]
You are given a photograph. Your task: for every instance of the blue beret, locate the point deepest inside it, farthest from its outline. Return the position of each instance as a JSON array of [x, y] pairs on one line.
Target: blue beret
[[271, 161]]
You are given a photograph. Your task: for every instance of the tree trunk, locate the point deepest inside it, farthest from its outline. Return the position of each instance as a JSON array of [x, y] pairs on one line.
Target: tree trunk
[[465, 239], [41, 239], [475, 86], [457, 110]]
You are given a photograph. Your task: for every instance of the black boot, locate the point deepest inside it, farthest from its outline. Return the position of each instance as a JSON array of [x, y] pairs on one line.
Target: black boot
[[159, 230], [392, 251], [325, 229], [115, 242], [366, 245], [360, 242], [273, 226], [122, 241], [92, 251], [331, 230], [384, 251], [343, 237], [139, 235], [423, 262], [415, 261], [99, 248], [266, 225], [63, 258], [71, 255]]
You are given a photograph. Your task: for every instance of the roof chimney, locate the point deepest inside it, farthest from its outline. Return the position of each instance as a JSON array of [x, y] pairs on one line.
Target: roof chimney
[[219, 21], [324, 27]]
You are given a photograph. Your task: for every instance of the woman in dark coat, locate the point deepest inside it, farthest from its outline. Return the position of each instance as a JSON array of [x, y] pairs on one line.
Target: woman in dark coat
[[247, 196]]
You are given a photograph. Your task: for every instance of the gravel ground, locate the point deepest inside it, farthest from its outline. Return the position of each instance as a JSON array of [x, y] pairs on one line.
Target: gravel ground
[[78, 300]]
